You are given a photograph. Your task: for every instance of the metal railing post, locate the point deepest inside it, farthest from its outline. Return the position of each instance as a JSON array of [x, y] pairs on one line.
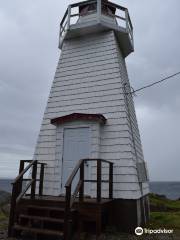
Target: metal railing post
[[99, 9], [60, 36], [126, 17], [132, 37], [69, 17]]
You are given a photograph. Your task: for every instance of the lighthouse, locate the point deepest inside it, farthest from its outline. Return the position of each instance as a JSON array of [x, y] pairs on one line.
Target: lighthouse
[[90, 111], [89, 140]]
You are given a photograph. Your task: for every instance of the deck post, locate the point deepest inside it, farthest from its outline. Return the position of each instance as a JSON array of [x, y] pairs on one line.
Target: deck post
[[111, 180], [34, 174], [41, 180], [12, 210], [99, 180], [67, 212], [81, 192], [21, 168]]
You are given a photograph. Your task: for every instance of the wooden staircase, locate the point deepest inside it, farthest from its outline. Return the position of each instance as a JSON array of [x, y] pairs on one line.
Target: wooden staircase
[[42, 218], [56, 217]]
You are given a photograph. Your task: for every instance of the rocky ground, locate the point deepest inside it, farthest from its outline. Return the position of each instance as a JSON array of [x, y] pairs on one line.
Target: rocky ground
[[122, 236], [118, 236]]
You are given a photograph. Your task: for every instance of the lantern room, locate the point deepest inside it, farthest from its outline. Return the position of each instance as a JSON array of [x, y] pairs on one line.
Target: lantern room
[[94, 16]]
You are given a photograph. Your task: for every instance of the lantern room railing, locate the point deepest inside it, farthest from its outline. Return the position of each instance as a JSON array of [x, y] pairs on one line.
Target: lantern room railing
[[121, 16]]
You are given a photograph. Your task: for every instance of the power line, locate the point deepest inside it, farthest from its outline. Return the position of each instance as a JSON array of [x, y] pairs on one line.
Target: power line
[[154, 83]]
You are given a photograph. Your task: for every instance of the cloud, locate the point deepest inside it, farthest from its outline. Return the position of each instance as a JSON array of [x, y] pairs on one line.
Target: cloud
[[29, 54], [156, 51], [160, 140]]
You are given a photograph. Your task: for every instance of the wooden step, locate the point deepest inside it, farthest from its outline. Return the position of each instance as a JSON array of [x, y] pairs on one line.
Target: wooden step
[[38, 231], [46, 208], [45, 219]]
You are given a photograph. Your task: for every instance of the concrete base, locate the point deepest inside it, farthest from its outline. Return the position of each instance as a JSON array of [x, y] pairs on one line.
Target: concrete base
[[129, 214]]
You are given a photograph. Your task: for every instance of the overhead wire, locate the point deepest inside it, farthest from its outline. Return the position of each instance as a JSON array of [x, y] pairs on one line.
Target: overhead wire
[[154, 83]]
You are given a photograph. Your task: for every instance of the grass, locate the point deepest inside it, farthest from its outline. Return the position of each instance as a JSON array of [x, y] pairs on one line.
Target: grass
[[165, 213], [169, 220], [163, 204], [3, 220], [4, 210]]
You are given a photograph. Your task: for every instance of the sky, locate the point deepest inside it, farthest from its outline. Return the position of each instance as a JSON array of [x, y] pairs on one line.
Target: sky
[[29, 54]]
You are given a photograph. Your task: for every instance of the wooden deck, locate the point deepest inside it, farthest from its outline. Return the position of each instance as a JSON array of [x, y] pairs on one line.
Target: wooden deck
[[59, 216], [44, 215], [60, 198]]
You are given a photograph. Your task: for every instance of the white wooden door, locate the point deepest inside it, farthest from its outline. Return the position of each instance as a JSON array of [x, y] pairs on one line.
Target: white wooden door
[[76, 147]]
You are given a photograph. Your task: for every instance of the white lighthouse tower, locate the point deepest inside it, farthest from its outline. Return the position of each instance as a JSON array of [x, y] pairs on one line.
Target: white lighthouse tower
[[90, 111]]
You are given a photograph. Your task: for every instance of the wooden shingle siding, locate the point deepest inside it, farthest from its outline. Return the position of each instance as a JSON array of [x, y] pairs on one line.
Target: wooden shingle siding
[[84, 75], [99, 61], [103, 94], [85, 89], [87, 43], [96, 101], [87, 51], [132, 120], [81, 70], [90, 79], [90, 59]]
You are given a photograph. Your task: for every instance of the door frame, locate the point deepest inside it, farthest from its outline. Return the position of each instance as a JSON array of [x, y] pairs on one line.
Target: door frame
[[90, 151]]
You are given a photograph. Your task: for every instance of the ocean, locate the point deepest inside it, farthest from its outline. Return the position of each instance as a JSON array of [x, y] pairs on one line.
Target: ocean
[[170, 189], [5, 184]]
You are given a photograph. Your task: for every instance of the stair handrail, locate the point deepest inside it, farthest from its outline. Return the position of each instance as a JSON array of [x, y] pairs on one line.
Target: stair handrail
[[18, 193], [74, 172], [21, 174], [70, 199]]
